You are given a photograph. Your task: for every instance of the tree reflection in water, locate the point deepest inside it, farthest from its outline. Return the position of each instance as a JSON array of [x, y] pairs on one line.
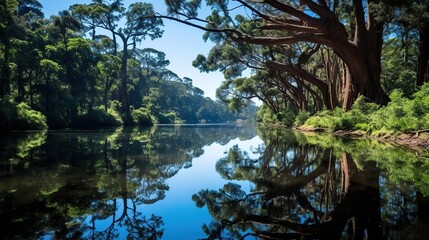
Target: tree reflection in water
[[72, 185], [304, 191]]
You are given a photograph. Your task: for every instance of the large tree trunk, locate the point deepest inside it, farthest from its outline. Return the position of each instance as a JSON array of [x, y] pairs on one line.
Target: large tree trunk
[[5, 68], [423, 60], [362, 57], [299, 73], [106, 91], [20, 83], [350, 92], [123, 86]]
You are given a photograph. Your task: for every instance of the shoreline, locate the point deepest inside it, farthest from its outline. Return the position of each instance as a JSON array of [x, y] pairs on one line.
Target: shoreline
[[418, 141]]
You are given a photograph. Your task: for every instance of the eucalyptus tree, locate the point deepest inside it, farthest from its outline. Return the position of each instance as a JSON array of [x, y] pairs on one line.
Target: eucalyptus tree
[[7, 31], [268, 66], [30, 6], [413, 16], [27, 54], [107, 15], [108, 68], [150, 66], [357, 39], [70, 50]]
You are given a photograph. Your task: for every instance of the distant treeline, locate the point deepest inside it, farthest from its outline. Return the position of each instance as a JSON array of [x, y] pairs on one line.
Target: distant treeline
[[62, 72]]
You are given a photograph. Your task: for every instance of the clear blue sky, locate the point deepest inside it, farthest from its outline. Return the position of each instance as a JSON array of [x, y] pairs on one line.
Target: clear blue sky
[[180, 43]]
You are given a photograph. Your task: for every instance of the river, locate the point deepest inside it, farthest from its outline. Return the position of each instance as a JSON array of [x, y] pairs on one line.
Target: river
[[209, 182]]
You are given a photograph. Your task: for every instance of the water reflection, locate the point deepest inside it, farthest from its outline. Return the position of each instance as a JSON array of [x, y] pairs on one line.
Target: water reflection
[[319, 187], [94, 184], [101, 185]]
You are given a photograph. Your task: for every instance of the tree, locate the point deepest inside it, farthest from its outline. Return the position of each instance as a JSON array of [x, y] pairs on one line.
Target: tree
[[357, 40], [27, 49], [7, 31], [414, 16], [30, 6], [106, 15]]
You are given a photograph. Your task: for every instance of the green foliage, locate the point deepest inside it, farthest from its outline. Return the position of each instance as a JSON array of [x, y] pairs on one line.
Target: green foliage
[[20, 117], [96, 118], [301, 117], [142, 117], [326, 119], [400, 115], [400, 164], [32, 141], [268, 117], [114, 111], [54, 68], [29, 119], [7, 113], [168, 118], [398, 68]]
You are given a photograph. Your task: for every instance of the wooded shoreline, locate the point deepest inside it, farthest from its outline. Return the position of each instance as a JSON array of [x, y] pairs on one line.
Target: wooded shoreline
[[418, 141]]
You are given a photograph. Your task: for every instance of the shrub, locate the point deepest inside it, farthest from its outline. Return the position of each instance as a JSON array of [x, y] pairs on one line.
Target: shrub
[[20, 117], [288, 118], [96, 118], [284, 117], [28, 119], [400, 115], [326, 119], [301, 118], [167, 118], [142, 117], [114, 111]]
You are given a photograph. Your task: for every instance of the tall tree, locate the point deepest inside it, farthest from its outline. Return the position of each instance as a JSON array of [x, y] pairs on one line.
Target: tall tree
[[7, 27], [357, 40], [30, 6], [136, 28]]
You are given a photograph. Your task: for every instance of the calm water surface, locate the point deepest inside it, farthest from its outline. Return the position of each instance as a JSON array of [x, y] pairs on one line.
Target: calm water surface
[[209, 182]]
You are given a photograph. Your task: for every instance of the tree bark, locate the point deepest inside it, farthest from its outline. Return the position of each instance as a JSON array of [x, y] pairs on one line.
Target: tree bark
[[5, 71], [123, 86], [423, 58]]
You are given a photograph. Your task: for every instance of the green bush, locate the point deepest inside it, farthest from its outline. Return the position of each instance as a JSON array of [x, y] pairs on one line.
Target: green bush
[[29, 119], [167, 118], [301, 118], [400, 115], [97, 118], [114, 111], [142, 117], [326, 119], [284, 118], [20, 117]]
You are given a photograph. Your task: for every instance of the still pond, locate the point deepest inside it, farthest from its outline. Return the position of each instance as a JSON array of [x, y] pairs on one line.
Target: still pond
[[209, 182]]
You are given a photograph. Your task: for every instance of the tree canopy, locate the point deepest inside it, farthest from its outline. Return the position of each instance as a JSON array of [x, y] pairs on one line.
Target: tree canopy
[[87, 67], [316, 54]]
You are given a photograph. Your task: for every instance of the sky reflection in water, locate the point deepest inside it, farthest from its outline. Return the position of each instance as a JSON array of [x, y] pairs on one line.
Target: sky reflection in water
[[147, 183]]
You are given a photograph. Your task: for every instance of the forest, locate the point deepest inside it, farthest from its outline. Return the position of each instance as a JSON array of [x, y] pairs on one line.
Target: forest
[[311, 60], [65, 72], [334, 64]]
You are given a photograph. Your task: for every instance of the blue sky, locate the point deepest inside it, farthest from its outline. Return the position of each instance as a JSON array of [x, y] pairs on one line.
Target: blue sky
[[180, 43]]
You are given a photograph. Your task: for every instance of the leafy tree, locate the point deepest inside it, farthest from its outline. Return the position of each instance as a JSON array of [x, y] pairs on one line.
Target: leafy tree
[[357, 40], [7, 31], [107, 16]]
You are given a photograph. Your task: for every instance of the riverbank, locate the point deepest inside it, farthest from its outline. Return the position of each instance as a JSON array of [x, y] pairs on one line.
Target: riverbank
[[418, 140]]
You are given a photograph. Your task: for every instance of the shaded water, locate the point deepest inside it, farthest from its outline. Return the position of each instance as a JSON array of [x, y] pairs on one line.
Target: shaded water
[[215, 182]]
